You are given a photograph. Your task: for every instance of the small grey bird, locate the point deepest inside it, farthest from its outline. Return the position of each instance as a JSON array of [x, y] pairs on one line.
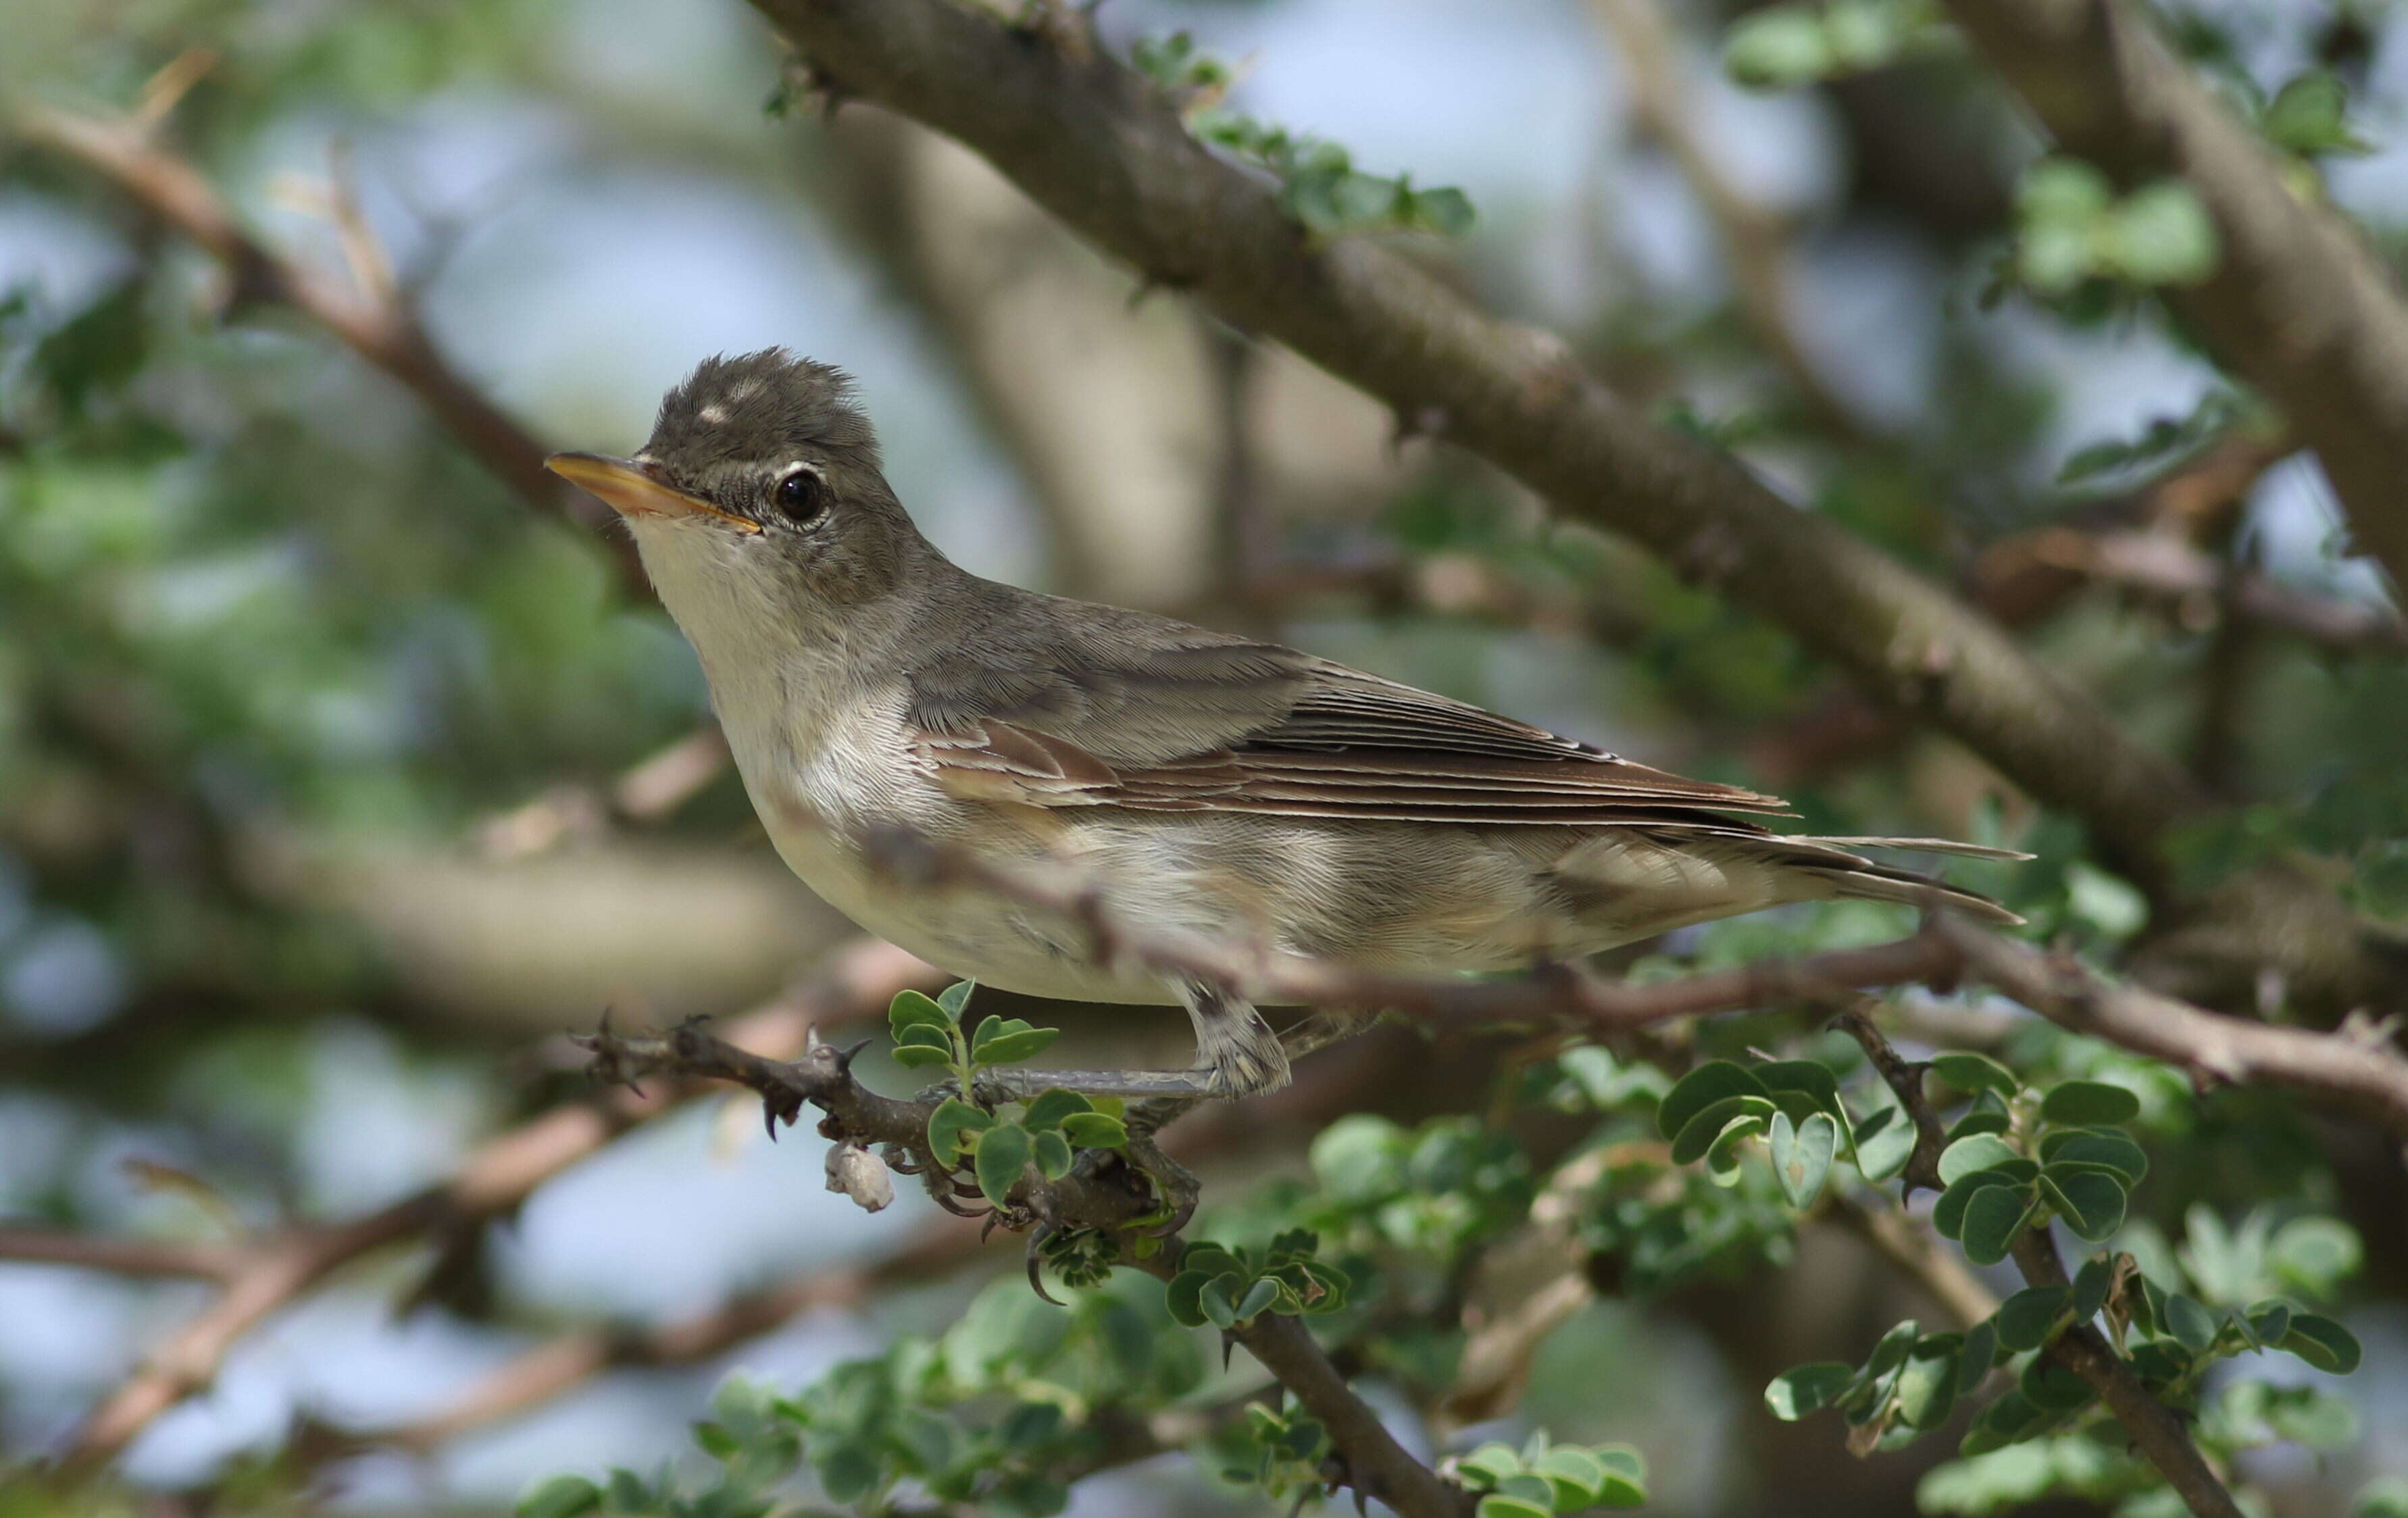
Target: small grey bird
[[1208, 783]]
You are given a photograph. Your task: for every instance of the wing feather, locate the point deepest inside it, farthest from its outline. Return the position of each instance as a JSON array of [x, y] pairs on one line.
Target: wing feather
[[1204, 721]]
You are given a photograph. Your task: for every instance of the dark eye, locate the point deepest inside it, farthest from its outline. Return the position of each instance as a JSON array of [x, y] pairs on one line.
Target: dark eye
[[801, 496]]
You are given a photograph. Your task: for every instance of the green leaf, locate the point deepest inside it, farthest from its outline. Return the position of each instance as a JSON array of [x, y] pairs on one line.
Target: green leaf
[[1053, 1155], [1716, 1080], [1722, 1155], [1003, 1153], [912, 1008], [1444, 209], [561, 1497], [1808, 1078], [1093, 1130], [1219, 1300], [2025, 1319], [1977, 1152], [1987, 1115], [2063, 191], [2091, 1202], [1885, 1142], [920, 1034], [2091, 1284], [1979, 1353], [1948, 1213], [1779, 48], [954, 1120], [2310, 117], [2315, 1254], [2096, 1149], [847, 1472], [1927, 1387], [1620, 1490], [955, 997], [2053, 1388], [915, 1056], [1359, 1159], [1183, 1298], [1498, 1505], [1891, 1353], [1491, 1463], [1016, 1042], [1259, 1296], [2088, 1104], [1801, 1156], [1994, 1219], [1051, 1106], [1701, 1131], [2010, 1420], [1974, 1073], [2190, 1323], [1806, 1388], [1576, 1475], [2322, 1343]]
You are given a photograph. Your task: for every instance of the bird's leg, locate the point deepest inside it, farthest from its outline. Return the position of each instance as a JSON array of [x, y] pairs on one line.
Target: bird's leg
[[1245, 1058]]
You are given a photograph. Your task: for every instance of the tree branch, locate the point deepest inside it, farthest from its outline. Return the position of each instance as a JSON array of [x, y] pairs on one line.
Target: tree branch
[[1113, 1200], [2298, 305], [2355, 1067], [1087, 139], [374, 322]]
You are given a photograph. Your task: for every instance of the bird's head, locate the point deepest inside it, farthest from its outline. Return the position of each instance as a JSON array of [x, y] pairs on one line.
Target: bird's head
[[759, 493]]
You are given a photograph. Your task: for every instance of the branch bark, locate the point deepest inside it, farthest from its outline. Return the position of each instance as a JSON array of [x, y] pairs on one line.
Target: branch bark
[[2298, 306], [1088, 140]]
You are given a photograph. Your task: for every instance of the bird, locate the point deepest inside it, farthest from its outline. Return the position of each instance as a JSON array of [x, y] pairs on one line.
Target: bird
[[1203, 782]]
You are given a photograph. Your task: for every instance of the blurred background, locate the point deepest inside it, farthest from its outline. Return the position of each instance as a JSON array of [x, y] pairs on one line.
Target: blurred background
[[336, 783]]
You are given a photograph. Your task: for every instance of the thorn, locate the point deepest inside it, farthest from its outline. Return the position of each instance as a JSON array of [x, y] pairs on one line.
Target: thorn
[[1037, 1263], [844, 1056], [1228, 1346], [769, 1120]]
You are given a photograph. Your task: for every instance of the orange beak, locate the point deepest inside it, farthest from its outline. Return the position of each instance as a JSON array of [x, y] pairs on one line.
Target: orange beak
[[629, 488]]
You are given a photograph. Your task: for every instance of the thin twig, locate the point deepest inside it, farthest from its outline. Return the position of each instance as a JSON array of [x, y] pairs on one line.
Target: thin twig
[[2155, 1428]]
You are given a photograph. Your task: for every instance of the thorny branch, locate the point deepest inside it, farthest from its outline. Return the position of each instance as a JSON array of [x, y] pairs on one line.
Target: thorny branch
[[1109, 1199], [261, 1278], [2157, 1430]]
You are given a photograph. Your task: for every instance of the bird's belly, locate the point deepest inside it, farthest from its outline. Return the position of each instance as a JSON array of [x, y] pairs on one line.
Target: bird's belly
[[969, 933]]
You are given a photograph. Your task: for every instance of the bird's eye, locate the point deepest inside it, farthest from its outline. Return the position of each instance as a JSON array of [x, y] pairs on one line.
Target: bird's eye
[[801, 496]]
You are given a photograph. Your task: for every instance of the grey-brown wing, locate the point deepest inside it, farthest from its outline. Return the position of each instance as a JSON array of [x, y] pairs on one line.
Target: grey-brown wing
[[1149, 715]]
